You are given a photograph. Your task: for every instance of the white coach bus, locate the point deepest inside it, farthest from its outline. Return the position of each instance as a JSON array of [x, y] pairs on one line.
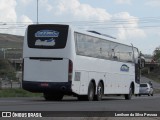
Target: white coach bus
[[59, 60]]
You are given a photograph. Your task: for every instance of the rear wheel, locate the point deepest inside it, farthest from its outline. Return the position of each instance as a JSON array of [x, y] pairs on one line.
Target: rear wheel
[[100, 90], [91, 92], [53, 97], [82, 97], [129, 96]]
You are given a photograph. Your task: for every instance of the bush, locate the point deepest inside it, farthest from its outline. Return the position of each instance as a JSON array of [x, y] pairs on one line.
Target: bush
[[144, 71], [7, 71]]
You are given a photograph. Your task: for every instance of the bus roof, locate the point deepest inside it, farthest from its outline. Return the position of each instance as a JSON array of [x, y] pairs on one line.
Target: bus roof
[[102, 36]]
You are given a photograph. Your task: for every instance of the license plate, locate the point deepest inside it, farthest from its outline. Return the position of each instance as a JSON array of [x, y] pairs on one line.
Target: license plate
[[44, 84]]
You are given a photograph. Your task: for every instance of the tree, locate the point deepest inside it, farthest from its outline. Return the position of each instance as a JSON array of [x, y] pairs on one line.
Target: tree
[[156, 54], [7, 71]]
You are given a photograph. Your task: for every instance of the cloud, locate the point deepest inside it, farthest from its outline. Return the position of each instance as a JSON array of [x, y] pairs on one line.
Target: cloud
[[123, 1], [9, 18], [7, 11], [25, 19], [153, 3], [25, 2], [46, 5], [128, 28], [7, 15], [74, 10]]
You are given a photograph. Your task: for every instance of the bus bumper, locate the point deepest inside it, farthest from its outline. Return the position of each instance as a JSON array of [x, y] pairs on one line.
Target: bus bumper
[[41, 87]]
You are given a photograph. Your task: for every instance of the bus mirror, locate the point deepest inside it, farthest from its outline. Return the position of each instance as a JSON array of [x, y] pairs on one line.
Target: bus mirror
[[142, 63]]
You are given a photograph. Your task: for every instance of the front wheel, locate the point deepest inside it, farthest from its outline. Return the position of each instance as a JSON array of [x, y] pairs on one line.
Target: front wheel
[[53, 97], [91, 92], [129, 96]]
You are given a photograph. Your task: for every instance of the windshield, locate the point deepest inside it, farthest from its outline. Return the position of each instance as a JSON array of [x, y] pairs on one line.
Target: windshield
[[47, 36]]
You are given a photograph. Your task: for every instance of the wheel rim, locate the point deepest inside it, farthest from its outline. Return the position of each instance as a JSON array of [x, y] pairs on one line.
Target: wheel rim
[[99, 92]]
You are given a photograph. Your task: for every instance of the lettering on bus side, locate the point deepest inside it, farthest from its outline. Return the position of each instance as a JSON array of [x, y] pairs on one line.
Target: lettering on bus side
[[124, 68]]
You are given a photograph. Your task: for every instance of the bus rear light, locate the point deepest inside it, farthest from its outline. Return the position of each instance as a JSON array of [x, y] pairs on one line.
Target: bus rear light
[[70, 70]]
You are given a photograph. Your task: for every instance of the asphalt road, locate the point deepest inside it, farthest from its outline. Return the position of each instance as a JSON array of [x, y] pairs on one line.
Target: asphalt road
[[143, 103]]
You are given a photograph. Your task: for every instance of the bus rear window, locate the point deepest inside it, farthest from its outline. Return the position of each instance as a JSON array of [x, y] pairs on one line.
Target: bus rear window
[[47, 36]]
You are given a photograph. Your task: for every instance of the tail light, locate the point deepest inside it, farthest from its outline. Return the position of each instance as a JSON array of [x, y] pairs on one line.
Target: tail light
[[70, 70]]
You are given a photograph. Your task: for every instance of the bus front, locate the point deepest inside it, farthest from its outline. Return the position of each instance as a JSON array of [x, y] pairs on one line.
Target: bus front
[[47, 60]]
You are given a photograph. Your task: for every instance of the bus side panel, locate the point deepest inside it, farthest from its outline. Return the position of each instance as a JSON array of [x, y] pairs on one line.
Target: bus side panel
[[137, 88], [117, 81]]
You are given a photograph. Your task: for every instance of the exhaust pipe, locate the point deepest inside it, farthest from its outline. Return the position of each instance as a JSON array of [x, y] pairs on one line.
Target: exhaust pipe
[[63, 88]]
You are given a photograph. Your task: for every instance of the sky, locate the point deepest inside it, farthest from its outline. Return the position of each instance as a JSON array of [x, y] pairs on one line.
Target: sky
[[130, 21]]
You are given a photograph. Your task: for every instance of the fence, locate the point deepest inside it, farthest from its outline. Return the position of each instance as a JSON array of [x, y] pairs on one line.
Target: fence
[[9, 84], [14, 53]]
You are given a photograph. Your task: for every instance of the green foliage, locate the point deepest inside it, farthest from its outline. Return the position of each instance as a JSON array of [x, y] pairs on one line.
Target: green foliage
[[157, 54], [154, 75], [144, 71], [7, 70]]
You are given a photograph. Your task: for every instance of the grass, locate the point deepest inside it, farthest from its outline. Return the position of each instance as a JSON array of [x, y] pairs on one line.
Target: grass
[[17, 92], [156, 90], [154, 75]]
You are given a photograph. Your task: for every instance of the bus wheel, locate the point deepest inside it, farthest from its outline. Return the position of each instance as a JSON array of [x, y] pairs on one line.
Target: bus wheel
[[129, 96], [53, 97], [100, 89], [81, 97], [91, 92]]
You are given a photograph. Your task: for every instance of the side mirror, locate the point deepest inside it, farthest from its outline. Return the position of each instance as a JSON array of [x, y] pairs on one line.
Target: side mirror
[[141, 63]]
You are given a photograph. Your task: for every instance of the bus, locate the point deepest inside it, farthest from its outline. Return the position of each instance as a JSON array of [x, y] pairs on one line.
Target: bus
[[60, 60]]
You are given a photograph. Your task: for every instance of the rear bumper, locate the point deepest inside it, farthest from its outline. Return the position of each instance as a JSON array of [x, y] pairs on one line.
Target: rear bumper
[[42, 87]]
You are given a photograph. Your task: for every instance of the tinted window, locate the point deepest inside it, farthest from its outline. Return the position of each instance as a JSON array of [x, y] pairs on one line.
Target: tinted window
[[92, 46], [99, 48], [143, 85], [47, 36], [121, 52]]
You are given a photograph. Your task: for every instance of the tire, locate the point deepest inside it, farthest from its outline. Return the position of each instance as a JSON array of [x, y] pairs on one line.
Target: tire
[[100, 90], [91, 92], [82, 97], [53, 97], [129, 96]]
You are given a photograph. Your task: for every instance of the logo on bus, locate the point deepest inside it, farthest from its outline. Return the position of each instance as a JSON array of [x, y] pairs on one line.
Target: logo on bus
[[47, 33], [124, 68], [49, 42]]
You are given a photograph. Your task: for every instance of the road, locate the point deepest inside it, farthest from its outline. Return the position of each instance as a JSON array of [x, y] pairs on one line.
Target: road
[[143, 103], [109, 103]]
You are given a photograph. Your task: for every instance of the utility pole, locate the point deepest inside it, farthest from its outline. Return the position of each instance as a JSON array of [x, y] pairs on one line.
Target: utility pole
[[4, 53]]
